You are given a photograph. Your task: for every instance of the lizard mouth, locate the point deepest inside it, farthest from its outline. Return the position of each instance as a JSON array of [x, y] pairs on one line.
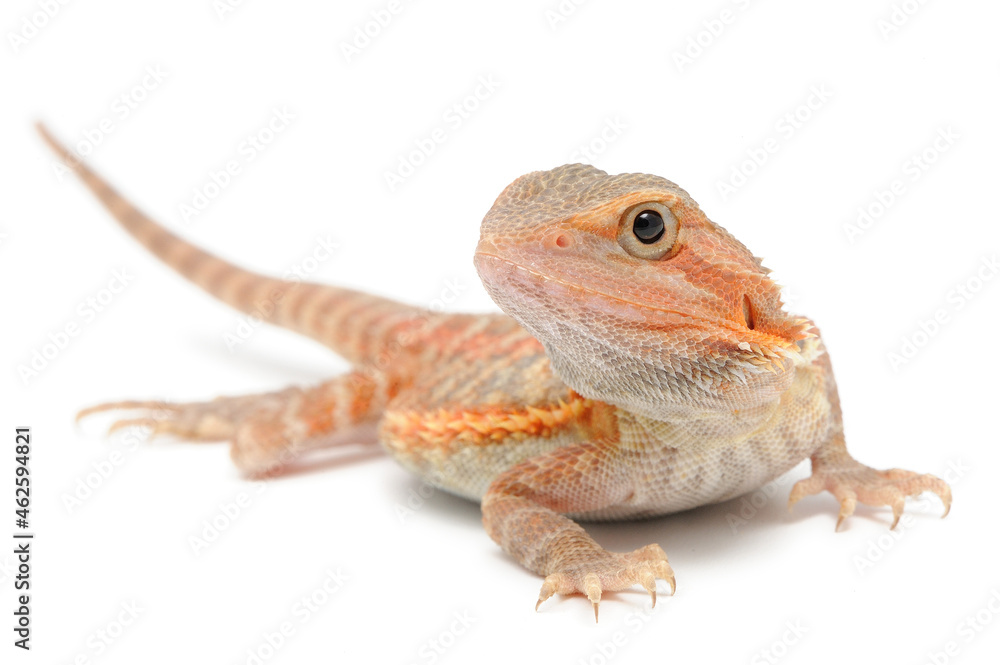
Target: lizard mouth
[[496, 270]]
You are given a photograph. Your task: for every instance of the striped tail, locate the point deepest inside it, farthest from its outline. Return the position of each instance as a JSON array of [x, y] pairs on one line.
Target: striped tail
[[356, 325]]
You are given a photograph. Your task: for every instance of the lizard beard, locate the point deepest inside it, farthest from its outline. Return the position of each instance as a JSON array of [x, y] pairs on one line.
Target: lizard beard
[[652, 363]]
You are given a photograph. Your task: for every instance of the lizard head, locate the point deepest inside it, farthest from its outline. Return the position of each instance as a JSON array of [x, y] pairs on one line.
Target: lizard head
[[638, 298]]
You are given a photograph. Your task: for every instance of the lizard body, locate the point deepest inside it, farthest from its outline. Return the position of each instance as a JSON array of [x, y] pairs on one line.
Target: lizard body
[[644, 365]]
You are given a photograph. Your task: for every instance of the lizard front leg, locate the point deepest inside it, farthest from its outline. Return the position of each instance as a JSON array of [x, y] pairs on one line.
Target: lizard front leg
[[850, 481], [267, 430], [521, 512]]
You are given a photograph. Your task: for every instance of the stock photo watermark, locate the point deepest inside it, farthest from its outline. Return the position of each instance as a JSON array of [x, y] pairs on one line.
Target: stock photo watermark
[[966, 631], [247, 151], [8, 569], [324, 249], [785, 128], [302, 610], [911, 170], [86, 312], [609, 649], [414, 330], [559, 13], [122, 107], [226, 515], [708, 34], [365, 34], [956, 299], [31, 25], [899, 15], [876, 549], [433, 648], [100, 472], [223, 8], [110, 633], [453, 118], [781, 645], [417, 498], [751, 504], [589, 151]]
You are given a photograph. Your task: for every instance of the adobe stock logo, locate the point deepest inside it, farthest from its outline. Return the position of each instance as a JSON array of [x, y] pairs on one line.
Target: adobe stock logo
[[86, 312], [454, 117], [911, 170], [957, 298], [366, 33]]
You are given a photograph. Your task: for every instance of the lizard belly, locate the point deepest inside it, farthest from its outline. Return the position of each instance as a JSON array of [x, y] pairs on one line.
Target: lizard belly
[[511, 410], [709, 458]]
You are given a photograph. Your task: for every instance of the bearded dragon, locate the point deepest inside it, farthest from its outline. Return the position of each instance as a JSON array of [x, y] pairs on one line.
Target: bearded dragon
[[644, 365]]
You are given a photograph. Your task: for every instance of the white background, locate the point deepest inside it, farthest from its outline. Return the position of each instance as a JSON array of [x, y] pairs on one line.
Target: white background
[[859, 595]]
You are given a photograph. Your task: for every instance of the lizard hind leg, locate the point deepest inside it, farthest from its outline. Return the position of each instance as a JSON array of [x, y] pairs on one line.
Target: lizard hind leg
[[266, 430]]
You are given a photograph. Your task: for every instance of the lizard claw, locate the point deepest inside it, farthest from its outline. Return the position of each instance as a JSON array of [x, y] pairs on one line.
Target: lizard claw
[[610, 571], [853, 482], [125, 405], [551, 584], [648, 583], [213, 420], [592, 587]]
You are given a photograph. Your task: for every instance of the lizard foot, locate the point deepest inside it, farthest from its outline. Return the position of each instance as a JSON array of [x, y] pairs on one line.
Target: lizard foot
[[267, 430], [214, 420], [255, 424], [852, 482], [610, 571]]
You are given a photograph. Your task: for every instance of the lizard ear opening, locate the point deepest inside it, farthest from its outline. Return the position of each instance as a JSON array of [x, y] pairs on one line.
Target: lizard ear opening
[[748, 314], [648, 231]]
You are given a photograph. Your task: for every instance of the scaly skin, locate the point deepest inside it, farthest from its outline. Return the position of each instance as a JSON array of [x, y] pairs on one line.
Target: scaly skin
[[630, 379]]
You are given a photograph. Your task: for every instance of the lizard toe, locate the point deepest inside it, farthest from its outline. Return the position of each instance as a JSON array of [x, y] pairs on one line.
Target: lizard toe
[[855, 483], [611, 571]]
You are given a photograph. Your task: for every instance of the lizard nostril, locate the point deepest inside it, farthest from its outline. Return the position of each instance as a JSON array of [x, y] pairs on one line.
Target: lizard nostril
[[748, 315], [563, 240]]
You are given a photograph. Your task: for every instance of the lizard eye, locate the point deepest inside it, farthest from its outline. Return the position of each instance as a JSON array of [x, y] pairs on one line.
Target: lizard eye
[[648, 226], [648, 231]]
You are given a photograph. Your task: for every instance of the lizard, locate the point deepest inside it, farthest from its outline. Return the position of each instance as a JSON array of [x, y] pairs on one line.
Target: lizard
[[643, 364]]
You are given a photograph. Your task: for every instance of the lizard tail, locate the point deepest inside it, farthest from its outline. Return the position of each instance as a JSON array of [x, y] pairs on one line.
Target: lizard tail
[[358, 326]]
